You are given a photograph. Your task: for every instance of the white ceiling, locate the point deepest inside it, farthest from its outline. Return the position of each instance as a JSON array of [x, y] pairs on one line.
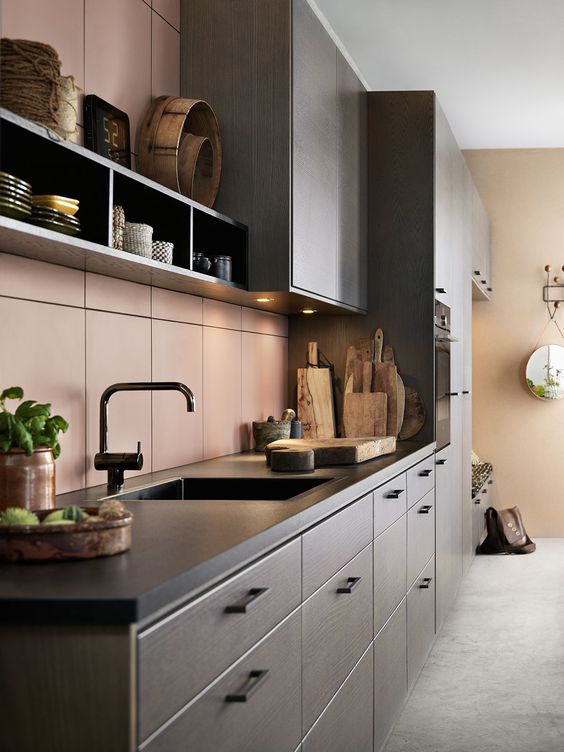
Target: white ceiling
[[497, 65]]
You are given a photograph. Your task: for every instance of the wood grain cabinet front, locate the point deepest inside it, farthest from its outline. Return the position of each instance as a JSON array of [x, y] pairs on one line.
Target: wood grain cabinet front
[[180, 655], [420, 535], [346, 723], [420, 480], [390, 674], [334, 542], [390, 502], [420, 621], [255, 706], [337, 629], [390, 549]]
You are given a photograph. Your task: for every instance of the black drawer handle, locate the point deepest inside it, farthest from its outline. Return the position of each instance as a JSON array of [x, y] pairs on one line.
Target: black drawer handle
[[441, 462], [352, 583], [452, 394], [484, 490], [477, 273], [489, 289], [484, 281], [395, 494], [466, 391], [490, 482], [425, 473], [425, 509], [477, 502], [441, 290], [243, 606], [426, 583], [254, 681]]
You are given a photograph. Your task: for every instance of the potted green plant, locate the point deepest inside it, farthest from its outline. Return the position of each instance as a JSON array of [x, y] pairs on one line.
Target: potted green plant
[[29, 445]]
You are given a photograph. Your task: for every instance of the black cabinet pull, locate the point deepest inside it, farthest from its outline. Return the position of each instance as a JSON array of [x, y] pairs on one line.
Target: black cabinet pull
[[452, 394], [441, 462], [425, 473], [243, 606], [252, 683], [485, 490], [441, 290], [466, 391], [425, 583], [490, 482], [394, 494], [489, 289], [477, 273], [425, 509], [352, 583], [477, 502]]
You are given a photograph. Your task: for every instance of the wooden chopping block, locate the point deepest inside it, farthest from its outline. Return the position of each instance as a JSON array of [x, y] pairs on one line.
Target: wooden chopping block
[[339, 451], [292, 460], [385, 379], [315, 398], [389, 358], [364, 413], [415, 414]]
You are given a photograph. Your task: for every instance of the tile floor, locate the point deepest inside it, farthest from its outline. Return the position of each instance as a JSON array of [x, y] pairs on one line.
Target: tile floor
[[494, 681]]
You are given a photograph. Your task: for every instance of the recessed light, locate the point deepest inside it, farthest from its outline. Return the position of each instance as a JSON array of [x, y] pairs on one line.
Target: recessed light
[[264, 300], [309, 310]]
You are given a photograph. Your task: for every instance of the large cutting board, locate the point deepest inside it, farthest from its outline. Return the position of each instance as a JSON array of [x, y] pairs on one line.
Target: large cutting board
[[339, 451], [315, 398]]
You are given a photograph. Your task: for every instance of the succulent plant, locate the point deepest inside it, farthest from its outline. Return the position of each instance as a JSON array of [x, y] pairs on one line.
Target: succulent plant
[[30, 426], [18, 516]]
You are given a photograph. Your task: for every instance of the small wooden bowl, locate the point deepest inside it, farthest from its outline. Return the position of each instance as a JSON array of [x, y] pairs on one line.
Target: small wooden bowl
[[83, 540]]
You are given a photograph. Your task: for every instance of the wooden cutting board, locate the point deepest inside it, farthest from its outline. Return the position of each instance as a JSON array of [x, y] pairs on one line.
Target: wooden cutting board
[[385, 379], [339, 451], [364, 413], [415, 414], [315, 398], [389, 358]]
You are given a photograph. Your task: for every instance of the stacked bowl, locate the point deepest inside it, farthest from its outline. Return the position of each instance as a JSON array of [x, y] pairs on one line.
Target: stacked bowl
[[56, 213], [15, 197]]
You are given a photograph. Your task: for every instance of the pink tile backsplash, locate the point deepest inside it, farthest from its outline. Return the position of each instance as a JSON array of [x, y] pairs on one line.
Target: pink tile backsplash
[[117, 295], [44, 354], [169, 9], [117, 59], [222, 315], [264, 322], [223, 430], [176, 306], [36, 280], [177, 356], [165, 46], [264, 373], [118, 348]]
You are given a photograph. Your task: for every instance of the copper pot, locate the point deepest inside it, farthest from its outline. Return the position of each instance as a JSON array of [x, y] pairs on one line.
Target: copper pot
[[27, 482]]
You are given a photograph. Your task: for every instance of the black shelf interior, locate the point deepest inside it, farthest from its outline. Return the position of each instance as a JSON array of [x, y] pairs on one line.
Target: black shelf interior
[[63, 172], [213, 235]]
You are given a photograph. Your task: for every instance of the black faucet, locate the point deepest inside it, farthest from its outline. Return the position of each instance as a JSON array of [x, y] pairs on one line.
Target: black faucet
[[117, 463]]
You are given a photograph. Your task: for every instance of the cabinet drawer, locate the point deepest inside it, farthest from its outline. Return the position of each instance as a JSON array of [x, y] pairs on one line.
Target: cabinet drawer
[[390, 674], [390, 550], [420, 535], [182, 654], [420, 480], [265, 708], [390, 502], [420, 620], [333, 543], [337, 629], [346, 722]]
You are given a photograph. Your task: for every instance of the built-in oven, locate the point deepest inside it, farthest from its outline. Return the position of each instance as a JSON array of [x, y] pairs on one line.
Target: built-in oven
[[443, 340]]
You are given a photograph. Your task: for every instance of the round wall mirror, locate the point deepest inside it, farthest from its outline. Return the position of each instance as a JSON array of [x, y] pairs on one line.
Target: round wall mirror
[[545, 372]]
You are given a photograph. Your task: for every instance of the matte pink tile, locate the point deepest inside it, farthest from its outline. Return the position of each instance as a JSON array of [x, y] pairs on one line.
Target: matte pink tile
[[44, 354], [165, 46], [177, 356], [118, 56], [27, 278], [169, 9], [117, 295], [176, 306], [222, 315], [118, 348], [264, 322], [223, 429], [265, 379], [59, 23]]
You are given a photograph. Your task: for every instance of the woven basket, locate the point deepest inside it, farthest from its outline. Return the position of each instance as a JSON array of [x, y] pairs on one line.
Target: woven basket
[[67, 113], [138, 239], [118, 227], [162, 251]]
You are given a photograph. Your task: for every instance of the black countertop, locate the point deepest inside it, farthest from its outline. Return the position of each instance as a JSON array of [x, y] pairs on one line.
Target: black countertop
[[181, 548]]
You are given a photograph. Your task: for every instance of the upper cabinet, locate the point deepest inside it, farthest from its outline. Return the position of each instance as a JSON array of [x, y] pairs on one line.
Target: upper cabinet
[[292, 115], [481, 254]]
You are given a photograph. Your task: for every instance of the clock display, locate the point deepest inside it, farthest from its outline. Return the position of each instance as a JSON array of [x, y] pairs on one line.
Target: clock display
[[107, 130]]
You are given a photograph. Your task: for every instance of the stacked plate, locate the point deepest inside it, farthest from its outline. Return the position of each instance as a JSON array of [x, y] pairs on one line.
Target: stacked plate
[[15, 197], [56, 213]]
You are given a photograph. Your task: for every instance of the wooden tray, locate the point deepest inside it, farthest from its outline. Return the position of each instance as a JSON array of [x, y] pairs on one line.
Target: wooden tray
[[83, 540]]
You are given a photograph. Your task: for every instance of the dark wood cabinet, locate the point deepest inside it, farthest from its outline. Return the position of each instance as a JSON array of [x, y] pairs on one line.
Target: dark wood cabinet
[[390, 674], [420, 621], [389, 571], [292, 119]]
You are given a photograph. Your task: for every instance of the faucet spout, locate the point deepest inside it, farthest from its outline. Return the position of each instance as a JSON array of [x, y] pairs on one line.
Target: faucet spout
[[115, 464]]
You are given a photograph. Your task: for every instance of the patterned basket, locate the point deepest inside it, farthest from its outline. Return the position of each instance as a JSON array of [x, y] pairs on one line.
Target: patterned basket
[[118, 227], [137, 238], [162, 251]]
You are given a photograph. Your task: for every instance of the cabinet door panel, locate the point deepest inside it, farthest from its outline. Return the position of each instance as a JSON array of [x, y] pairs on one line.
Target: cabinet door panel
[[390, 502], [337, 629], [314, 159], [389, 571], [420, 480], [390, 675], [420, 621], [420, 535], [351, 186], [346, 723], [270, 717], [444, 533]]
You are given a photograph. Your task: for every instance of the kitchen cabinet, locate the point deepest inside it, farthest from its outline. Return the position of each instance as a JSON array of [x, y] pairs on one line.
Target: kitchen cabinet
[[390, 674], [293, 126], [390, 561], [420, 621], [482, 287], [448, 549]]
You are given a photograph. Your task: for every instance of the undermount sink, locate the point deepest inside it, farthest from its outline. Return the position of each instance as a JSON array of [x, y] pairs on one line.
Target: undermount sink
[[240, 489]]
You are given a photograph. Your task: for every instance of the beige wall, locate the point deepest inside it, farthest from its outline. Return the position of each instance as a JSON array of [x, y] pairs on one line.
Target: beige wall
[[523, 191]]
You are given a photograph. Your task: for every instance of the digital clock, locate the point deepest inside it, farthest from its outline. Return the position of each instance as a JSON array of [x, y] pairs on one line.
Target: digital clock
[[106, 130]]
